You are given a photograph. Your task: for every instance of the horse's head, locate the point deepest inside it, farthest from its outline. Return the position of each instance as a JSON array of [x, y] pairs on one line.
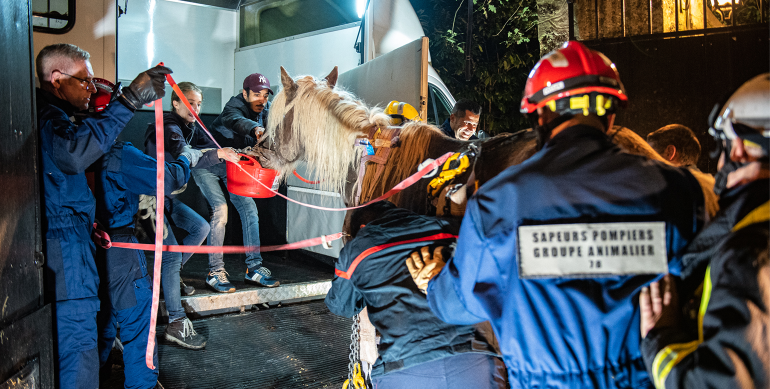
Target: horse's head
[[315, 121]]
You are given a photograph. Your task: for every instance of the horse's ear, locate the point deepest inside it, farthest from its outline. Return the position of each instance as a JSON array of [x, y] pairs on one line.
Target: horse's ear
[[331, 79], [289, 86]]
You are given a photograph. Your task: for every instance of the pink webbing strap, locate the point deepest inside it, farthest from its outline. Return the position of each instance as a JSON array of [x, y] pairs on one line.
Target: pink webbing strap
[[160, 197], [189, 108], [232, 249], [398, 188]]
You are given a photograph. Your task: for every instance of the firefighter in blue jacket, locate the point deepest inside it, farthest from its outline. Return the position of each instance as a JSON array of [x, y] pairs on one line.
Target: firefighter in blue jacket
[[719, 338], [67, 149], [417, 350], [126, 289], [553, 251]]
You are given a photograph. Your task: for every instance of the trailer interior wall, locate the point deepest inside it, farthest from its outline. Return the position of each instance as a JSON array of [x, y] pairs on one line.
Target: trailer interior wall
[[315, 53], [196, 41], [93, 31]]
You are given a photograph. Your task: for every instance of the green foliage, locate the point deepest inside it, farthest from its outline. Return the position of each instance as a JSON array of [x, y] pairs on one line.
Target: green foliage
[[503, 51]]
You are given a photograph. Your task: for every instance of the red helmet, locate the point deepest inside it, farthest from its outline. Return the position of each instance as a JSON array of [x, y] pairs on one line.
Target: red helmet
[[101, 99], [586, 76]]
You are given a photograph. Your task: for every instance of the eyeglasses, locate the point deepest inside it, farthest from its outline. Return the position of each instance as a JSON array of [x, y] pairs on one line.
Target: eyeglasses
[[85, 83]]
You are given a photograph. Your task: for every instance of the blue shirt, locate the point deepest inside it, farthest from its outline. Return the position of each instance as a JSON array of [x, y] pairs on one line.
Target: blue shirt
[[564, 332]]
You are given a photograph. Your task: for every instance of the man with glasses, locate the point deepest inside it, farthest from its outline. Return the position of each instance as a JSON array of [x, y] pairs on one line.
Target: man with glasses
[[68, 146], [463, 121]]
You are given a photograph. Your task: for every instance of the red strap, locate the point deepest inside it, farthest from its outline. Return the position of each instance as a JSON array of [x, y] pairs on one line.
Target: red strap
[[347, 274], [186, 103], [101, 238], [305, 180]]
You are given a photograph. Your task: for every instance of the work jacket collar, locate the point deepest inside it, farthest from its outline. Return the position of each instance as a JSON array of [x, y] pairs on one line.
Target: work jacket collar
[[47, 97]]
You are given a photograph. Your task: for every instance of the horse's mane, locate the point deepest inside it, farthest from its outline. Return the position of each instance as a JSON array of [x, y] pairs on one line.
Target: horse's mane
[[413, 149], [320, 125]]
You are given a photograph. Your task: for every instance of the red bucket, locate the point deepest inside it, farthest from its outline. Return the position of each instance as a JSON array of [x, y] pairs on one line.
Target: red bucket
[[238, 182]]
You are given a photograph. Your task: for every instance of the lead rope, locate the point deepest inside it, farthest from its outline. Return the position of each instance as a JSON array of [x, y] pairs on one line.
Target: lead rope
[[355, 379]]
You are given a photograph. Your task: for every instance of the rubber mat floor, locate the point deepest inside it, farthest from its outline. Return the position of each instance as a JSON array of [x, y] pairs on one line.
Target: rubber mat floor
[[296, 346]]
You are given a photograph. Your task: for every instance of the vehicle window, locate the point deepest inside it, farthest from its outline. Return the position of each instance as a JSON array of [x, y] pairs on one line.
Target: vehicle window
[[53, 16], [265, 21], [439, 108]]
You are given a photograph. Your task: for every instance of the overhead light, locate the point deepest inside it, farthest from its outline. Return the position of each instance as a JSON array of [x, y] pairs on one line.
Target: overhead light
[[360, 7]]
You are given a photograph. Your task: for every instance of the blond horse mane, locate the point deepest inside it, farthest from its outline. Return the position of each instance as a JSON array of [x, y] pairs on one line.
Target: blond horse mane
[[324, 123], [413, 149]]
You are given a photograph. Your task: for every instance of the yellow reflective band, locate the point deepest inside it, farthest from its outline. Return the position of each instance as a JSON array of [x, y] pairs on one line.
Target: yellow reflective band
[[580, 102], [758, 215], [704, 302], [668, 358], [672, 354], [552, 105]]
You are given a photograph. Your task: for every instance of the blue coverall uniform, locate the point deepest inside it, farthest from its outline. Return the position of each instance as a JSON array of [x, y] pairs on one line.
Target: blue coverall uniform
[[412, 337], [570, 331], [126, 299], [72, 281]]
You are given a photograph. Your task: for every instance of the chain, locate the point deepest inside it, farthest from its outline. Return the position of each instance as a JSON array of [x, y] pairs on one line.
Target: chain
[[354, 356]]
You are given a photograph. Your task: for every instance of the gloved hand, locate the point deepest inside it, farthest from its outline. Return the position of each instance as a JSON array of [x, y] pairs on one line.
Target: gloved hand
[[423, 267], [147, 207], [191, 154], [147, 86]]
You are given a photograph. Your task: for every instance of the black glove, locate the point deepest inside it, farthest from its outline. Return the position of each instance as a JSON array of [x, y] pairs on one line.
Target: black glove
[[147, 86]]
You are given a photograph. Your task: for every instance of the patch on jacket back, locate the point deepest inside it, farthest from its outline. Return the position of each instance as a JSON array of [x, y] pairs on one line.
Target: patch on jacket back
[[592, 249]]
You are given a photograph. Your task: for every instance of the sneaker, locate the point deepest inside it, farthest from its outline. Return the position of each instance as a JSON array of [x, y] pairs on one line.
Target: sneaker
[[185, 289], [217, 280], [182, 333], [261, 276]]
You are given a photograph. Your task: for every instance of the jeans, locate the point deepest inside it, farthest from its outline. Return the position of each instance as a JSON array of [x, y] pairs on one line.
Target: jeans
[[208, 181], [184, 218]]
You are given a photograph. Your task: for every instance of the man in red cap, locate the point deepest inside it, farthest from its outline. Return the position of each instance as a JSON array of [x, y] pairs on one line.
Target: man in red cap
[[239, 126]]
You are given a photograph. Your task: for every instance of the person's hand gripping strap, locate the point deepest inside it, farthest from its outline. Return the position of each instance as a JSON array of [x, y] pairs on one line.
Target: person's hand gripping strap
[[148, 86], [423, 267]]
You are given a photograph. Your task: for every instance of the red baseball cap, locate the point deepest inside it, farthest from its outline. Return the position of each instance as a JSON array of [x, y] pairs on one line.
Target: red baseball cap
[[256, 82]]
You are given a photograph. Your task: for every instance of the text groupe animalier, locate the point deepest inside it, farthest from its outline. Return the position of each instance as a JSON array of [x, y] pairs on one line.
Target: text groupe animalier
[[594, 250]]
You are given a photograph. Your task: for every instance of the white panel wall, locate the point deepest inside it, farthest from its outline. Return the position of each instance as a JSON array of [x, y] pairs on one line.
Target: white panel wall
[[196, 42], [94, 32], [314, 54]]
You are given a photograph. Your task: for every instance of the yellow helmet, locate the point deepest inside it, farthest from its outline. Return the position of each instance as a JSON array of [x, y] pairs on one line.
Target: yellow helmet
[[401, 112]]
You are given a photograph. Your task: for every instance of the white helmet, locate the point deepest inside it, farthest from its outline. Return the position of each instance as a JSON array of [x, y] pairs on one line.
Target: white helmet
[[746, 114]]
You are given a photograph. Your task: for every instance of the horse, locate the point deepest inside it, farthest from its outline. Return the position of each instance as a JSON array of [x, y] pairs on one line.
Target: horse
[[319, 122]]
